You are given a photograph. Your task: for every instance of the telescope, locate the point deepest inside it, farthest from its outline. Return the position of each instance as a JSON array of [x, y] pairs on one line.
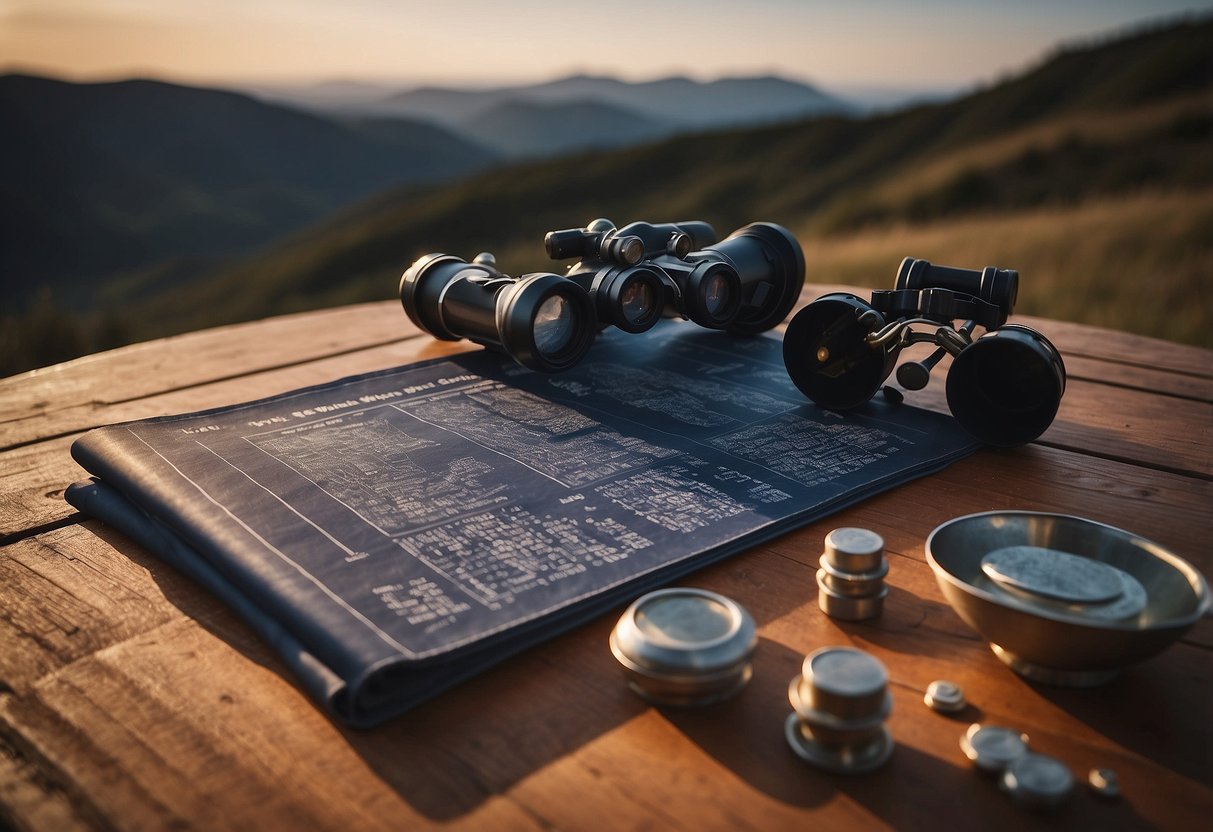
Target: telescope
[[635, 274], [628, 277], [1004, 387]]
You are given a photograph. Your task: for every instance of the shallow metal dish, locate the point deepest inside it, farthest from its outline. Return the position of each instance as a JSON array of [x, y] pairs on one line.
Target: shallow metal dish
[[1043, 634]]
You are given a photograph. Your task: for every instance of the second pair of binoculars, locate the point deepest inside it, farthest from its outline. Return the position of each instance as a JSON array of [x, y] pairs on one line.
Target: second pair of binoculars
[[1004, 387], [628, 277]]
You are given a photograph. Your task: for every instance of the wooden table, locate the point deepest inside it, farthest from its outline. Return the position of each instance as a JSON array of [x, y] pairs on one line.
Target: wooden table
[[129, 698]]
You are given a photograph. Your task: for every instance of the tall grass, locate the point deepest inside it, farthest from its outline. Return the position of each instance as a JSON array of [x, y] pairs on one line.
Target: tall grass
[[1142, 264]]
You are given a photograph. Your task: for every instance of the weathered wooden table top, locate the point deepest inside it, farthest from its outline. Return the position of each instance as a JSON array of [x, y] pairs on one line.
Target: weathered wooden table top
[[130, 698]]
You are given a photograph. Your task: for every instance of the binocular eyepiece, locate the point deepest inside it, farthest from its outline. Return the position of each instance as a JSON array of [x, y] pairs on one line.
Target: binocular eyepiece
[[1004, 388], [628, 277]]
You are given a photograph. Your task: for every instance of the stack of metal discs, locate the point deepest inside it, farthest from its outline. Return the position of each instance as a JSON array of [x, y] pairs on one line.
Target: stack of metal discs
[[685, 646], [840, 702], [850, 581]]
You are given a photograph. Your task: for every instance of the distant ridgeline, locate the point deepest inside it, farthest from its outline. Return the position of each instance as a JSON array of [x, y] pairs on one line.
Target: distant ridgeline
[[1092, 173]]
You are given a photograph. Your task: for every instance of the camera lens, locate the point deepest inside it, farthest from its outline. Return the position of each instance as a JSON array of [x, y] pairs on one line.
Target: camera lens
[[553, 325]]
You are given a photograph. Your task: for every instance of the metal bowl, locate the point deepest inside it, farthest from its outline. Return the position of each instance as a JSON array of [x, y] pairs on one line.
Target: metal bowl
[[1064, 600]]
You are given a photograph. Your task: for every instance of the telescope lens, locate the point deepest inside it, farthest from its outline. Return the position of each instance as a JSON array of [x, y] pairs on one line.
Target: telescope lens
[[553, 325], [637, 302]]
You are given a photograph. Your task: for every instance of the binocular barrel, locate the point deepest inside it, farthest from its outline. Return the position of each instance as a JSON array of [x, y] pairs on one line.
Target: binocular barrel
[[770, 264], [600, 240], [999, 287], [543, 321], [1005, 387]]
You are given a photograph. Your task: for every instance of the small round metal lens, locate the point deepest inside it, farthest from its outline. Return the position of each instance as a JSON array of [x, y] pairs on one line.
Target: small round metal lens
[[637, 301], [553, 325], [715, 293]]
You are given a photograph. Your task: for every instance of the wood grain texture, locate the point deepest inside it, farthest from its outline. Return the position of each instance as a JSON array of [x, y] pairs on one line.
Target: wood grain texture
[[130, 699]]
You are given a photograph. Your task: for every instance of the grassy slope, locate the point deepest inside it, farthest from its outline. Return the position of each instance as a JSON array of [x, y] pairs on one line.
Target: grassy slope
[[1140, 263]]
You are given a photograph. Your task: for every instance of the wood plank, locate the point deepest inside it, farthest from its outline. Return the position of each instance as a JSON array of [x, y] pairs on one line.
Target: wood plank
[[1148, 379], [29, 802], [191, 359], [81, 388], [69, 595], [227, 389], [1152, 431], [1130, 425], [511, 726], [178, 727], [33, 477], [134, 699], [1157, 431], [154, 693]]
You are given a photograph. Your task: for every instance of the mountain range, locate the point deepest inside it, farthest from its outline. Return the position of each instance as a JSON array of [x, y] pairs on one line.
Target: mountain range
[[96, 179], [1096, 122], [1096, 165], [578, 112]]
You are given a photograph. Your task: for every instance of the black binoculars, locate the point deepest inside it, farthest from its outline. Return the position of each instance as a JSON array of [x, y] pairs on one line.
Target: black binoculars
[[635, 274], [629, 277], [1004, 388]]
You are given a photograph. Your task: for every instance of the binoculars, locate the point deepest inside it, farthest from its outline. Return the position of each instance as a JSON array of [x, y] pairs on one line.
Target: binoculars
[[1004, 387], [627, 277]]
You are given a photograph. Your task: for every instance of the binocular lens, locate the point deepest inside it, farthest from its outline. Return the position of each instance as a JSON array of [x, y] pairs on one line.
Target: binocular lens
[[715, 294], [553, 325], [630, 298], [545, 322], [638, 302], [711, 294], [1006, 386]]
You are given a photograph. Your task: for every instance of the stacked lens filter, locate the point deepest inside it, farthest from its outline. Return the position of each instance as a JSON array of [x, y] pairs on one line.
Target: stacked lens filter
[[840, 702], [850, 582]]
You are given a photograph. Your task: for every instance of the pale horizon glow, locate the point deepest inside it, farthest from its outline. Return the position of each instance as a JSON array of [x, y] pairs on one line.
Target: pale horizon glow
[[941, 44]]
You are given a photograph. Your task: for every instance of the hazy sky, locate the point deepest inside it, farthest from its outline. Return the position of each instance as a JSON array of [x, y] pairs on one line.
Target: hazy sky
[[877, 42]]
